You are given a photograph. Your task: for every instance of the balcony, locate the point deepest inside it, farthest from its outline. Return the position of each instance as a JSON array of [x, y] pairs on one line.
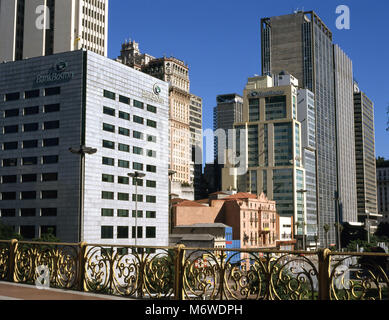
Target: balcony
[[182, 273]]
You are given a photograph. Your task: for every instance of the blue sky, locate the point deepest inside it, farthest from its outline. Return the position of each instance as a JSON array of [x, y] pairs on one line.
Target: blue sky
[[220, 41]]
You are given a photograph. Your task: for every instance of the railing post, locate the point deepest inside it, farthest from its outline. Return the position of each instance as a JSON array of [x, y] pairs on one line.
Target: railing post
[[324, 274], [82, 262], [179, 272], [13, 246]]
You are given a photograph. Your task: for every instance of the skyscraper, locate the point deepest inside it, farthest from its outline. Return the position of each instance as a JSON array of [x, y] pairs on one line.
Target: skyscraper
[[365, 157], [301, 44], [33, 28]]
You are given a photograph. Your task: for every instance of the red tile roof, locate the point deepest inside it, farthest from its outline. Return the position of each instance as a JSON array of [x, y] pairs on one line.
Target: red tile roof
[[188, 203], [243, 195]]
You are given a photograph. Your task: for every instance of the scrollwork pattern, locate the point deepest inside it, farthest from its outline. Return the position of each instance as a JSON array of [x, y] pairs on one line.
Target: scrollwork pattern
[[4, 260]]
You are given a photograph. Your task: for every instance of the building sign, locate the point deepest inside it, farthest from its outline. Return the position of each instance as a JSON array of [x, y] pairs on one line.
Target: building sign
[[57, 73], [257, 94], [153, 96]]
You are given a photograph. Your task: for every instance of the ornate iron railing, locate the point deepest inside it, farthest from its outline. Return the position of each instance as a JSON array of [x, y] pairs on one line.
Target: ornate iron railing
[[197, 273]]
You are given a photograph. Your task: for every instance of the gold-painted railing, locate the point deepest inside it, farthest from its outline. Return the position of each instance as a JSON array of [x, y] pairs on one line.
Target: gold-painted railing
[[197, 273]]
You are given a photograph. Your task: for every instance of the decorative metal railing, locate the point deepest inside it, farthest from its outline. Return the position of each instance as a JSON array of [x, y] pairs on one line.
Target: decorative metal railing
[[196, 273]]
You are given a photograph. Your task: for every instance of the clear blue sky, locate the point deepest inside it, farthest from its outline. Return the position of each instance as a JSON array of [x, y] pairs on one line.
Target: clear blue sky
[[220, 40]]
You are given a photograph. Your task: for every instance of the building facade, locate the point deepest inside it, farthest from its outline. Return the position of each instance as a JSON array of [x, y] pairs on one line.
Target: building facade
[[383, 190], [366, 174], [53, 103], [35, 28]]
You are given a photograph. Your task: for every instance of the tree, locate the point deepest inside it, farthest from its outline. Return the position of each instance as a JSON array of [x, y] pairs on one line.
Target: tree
[[383, 231], [47, 237], [326, 228], [7, 233]]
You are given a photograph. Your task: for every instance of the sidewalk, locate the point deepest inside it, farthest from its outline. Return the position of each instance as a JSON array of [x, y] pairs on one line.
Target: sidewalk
[[14, 291]]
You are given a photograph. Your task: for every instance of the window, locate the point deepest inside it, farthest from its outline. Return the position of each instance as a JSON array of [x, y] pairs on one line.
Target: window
[[9, 179], [150, 232], [52, 142], [30, 144], [137, 119], [151, 109], [106, 232], [152, 169], [10, 162], [49, 194], [109, 95], [108, 161], [52, 108], [138, 104], [30, 127], [31, 111], [122, 232], [123, 180], [124, 132], [140, 197], [151, 184], [139, 181], [124, 99], [139, 235], [10, 145], [27, 232], [108, 144], [28, 195], [30, 161], [52, 91], [140, 214], [11, 113], [123, 213], [137, 150], [137, 166], [107, 212], [8, 195], [151, 214], [152, 123], [28, 212], [108, 178], [124, 147], [137, 135], [124, 164], [31, 94], [151, 138], [108, 127], [107, 195], [26, 178], [151, 199], [124, 115], [11, 129], [123, 196], [8, 213], [109, 111], [47, 177], [50, 159], [12, 96], [51, 125], [151, 153]]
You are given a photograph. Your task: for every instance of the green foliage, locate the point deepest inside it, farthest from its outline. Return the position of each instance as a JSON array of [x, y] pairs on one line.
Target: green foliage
[[383, 231], [47, 237], [7, 233]]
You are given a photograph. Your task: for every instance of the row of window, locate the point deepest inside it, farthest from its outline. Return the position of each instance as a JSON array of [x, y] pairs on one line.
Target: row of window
[[108, 195], [28, 178], [30, 111], [126, 180], [126, 132], [126, 165], [30, 94], [46, 143], [126, 116], [123, 213], [29, 195], [126, 148], [123, 232], [29, 212], [30, 127], [30, 161], [126, 100]]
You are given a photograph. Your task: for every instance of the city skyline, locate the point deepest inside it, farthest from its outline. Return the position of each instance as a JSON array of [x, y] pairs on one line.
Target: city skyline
[[229, 52]]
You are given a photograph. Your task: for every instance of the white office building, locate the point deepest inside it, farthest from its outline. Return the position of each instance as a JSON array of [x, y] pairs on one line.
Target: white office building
[[80, 98], [33, 28]]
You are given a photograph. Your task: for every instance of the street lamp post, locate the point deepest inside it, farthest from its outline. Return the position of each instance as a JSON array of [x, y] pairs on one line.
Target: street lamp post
[[135, 176], [304, 224], [171, 174], [82, 151]]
